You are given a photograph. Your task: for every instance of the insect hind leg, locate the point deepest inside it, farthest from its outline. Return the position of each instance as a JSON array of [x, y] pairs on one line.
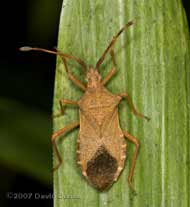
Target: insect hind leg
[[56, 135], [133, 164]]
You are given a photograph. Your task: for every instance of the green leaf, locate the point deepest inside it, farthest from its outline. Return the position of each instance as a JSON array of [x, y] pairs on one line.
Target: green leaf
[[153, 62], [25, 140]]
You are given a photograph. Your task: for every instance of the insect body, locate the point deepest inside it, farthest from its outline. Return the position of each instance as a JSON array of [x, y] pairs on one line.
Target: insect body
[[101, 149]]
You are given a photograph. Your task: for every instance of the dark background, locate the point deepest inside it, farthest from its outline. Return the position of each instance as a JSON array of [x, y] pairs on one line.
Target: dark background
[[28, 79]]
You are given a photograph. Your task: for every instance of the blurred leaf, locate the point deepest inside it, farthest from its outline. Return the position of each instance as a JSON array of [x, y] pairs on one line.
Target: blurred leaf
[[42, 18], [153, 65], [25, 140]]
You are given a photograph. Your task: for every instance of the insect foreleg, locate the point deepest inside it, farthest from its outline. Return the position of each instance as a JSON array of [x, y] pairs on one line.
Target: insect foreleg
[[136, 142], [72, 77], [135, 112], [56, 135]]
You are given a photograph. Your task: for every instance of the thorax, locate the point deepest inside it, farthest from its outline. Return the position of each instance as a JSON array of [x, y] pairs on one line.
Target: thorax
[[98, 104]]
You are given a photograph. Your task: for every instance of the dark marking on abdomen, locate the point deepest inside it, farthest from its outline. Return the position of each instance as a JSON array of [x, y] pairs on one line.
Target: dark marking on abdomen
[[101, 169]]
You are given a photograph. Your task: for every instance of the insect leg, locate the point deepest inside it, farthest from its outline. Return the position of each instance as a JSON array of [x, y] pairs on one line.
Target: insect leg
[[56, 135], [112, 71], [62, 104], [101, 59], [72, 77], [129, 100], [136, 142]]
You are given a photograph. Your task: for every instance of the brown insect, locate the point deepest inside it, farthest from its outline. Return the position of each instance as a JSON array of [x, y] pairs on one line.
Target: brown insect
[[101, 150]]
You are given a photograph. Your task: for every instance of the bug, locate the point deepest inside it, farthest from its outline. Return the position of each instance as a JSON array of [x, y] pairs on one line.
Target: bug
[[101, 144]]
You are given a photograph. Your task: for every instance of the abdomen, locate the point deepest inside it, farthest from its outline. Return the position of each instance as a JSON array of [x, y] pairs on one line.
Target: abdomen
[[101, 158]]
